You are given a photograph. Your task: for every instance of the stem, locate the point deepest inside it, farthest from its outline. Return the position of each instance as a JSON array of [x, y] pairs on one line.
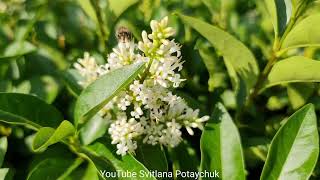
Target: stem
[[73, 167], [262, 78], [146, 71], [103, 33], [276, 52]]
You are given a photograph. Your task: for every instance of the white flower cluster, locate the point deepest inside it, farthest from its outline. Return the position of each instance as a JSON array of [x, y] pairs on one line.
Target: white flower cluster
[[147, 111]]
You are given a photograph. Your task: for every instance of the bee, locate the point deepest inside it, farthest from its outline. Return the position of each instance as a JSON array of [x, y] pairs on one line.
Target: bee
[[123, 34]]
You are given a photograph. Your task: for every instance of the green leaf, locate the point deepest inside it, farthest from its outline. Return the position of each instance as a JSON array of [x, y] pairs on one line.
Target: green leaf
[[3, 149], [47, 136], [299, 6], [280, 12], [71, 78], [221, 146], [293, 69], [152, 157], [45, 87], [304, 34], [17, 49], [213, 6], [22, 109], [5, 86], [67, 174], [117, 7], [50, 169], [100, 92], [294, 149], [239, 60], [209, 60], [103, 154], [95, 128], [179, 154], [6, 174], [299, 93], [91, 172], [88, 9]]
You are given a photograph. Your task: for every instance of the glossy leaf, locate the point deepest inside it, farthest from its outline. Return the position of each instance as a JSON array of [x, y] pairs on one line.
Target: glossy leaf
[[280, 12], [50, 169], [22, 109], [293, 69], [239, 60], [152, 157], [95, 128], [304, 34], [100, 92], [103, 154], [3, 149], [45, 87], [294, 149], [47, 136], [17, 49], [221, 146]]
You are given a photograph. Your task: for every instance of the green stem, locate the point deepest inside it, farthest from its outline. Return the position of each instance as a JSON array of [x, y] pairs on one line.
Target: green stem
[[73, 167], [276, 52], [103, 35], [146, 71]]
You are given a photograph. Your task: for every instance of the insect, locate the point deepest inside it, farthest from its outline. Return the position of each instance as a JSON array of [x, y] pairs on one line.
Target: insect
[[123, 34]]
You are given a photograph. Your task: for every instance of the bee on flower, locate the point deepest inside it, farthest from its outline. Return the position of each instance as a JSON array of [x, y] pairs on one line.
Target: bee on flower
[[147, 110]]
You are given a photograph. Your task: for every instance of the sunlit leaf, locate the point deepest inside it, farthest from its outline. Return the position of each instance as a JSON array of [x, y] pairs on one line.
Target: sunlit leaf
[[239, 60], [304, 34], [294, 149], [100, 92], [47, 136], [280, 12], [221, 146], [293, 69]]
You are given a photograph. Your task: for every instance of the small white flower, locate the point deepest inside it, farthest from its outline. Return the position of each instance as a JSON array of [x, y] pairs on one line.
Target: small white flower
[[123, 133], [147, 110], [137, 112], [87, 67]]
